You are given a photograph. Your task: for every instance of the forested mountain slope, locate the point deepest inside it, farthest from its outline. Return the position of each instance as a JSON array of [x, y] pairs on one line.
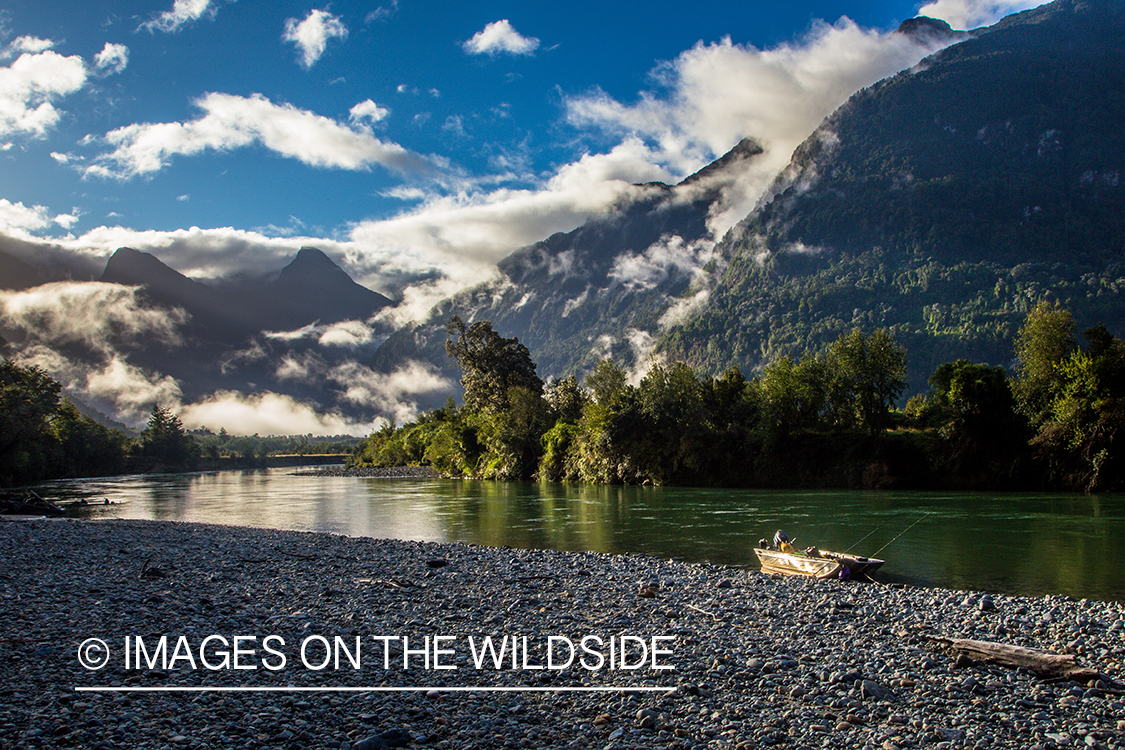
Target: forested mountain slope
[[942, 204]]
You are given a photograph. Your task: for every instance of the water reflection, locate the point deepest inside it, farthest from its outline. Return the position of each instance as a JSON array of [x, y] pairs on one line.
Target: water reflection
[[1031, 544]]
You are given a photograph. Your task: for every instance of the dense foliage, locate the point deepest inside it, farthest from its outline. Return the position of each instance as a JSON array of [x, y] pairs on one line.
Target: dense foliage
[[43, 435], [941, 204], [828, 419]]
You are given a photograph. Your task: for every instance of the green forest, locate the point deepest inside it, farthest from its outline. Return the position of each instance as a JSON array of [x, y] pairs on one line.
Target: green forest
[[828, 419], [44, 436]]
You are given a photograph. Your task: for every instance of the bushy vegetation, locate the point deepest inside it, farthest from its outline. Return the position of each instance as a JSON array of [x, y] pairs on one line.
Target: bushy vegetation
[[824, 420], [44, 436]]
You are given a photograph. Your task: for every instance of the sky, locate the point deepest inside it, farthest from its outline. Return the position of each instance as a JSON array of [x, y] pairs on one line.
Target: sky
[[416, 142]]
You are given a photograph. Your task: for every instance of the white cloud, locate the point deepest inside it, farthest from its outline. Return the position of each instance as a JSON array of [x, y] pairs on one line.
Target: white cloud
[[347, 333], [500, 36], [972, 14], [231, 122], [669, 257], [473, 229], [713, 95], [182, 13], [367, 110], [95, 315], [115, 386], [312, 34], [27, 44], [32, 83], [112, 59], [132, 391], [267, 414], [394, 393], [18, 220]]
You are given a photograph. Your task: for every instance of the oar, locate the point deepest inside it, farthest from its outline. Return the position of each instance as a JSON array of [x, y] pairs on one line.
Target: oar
[[908, 528]]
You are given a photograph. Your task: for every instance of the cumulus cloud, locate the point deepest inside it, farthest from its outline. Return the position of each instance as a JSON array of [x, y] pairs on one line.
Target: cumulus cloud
[[500, 36], [713, 95], [99, 319], [231, 122], [18, 220], [312, 34], [267, 414], [350, 334], [473, 229], [183, 12], [36, 79], [972, 14], [112, 59], [130, 390], [367, 110], [113, 386]]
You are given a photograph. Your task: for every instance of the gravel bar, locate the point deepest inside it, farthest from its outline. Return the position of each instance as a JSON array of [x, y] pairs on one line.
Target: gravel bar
[[758, 661]]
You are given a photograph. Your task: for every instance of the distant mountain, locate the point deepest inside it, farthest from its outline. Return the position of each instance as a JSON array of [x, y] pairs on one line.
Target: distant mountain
[[942, 203], [26, 264], [253, 340], [311, 289], [577, 297]]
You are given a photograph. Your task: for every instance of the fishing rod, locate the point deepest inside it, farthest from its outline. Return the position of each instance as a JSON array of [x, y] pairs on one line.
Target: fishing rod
[[908, 528], [855, 544]]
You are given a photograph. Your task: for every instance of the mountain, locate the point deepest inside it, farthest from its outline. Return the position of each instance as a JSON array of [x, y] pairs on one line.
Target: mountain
[[311, 289], [264, 339], [577, 297], [25, 264], [941, 203]]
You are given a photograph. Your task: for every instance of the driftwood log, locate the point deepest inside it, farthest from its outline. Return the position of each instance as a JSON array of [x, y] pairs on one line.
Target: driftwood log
[[1045, 664]]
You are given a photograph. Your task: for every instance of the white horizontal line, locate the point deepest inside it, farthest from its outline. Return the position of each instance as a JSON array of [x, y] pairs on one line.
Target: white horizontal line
[[291, 689]]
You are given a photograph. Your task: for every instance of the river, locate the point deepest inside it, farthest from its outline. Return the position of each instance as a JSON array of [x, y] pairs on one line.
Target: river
[[1033, 544]]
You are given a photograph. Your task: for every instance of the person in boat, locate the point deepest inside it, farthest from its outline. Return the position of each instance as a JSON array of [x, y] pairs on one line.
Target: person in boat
[[782, 543]]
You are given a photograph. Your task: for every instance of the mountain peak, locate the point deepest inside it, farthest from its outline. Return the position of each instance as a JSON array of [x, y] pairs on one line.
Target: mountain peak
[[133, 267], [745, 149], [925, 28], [310, 256]]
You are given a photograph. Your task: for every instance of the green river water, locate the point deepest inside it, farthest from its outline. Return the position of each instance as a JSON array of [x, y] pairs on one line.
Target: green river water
[[1033, 544]]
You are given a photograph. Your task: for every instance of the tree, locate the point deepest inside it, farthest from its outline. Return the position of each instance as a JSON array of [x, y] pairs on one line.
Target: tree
[[490, 364], [607, 384], [1043, 343], [867, 375], [165, 439], [566, 398], [29, 398]]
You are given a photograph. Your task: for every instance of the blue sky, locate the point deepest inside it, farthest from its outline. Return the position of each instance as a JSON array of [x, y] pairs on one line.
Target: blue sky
[[301, 123], [416, 142]]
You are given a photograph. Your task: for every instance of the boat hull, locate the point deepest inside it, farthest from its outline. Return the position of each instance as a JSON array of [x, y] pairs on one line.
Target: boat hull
[[827, 565]]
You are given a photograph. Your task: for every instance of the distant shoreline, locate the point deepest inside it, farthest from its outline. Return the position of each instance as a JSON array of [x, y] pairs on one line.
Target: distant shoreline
[[379, 472]]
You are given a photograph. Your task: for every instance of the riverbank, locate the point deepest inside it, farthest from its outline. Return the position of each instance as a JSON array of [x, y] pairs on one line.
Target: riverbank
[[758, 660], [376, 472]]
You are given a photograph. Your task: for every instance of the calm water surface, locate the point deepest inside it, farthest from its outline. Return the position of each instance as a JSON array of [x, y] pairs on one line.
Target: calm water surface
[[1015, 543]]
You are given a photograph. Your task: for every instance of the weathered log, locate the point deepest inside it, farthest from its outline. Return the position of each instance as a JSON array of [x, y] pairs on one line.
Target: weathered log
[[1045, 664]]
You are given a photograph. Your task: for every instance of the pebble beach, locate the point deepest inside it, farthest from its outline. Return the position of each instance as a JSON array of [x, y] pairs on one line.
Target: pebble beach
[[380, 643]]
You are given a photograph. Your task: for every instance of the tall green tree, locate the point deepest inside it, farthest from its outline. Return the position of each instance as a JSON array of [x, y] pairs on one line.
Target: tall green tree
[[29, 399], [867, 374], [491, 365], [1045, 340], [165, 439]]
